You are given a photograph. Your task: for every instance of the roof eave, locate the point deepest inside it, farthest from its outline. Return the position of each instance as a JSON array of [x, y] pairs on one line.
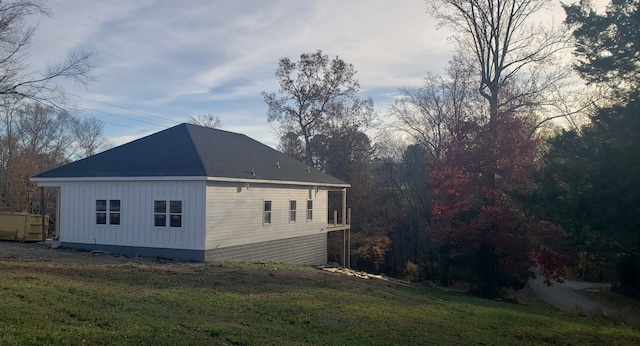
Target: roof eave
[[47, 181]]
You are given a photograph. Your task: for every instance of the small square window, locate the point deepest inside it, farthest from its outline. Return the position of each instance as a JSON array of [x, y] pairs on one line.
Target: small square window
[[101, 218], [161, 214], [175, 207], [114, 205], [160, 220], [114, 218], [160, 207], [176, 220], [110, 208], [101, 205]]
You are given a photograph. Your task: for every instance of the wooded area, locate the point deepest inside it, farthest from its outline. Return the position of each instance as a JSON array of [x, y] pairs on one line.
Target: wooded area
[[497, 169]]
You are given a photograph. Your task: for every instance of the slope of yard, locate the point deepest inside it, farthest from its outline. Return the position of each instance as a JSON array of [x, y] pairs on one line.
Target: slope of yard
[[166, 303]]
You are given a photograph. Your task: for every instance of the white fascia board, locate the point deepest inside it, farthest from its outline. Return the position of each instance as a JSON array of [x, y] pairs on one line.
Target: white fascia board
[[280, 182], [53, 181]]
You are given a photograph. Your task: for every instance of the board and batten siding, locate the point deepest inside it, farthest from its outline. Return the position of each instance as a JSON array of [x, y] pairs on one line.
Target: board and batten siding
[[77, 222], [235, 213]]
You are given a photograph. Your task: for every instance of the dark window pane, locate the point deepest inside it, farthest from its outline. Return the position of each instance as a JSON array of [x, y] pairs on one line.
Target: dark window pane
[[101, 218], [114, 218], [292, 205], [114, 205], [176, 220], [292, 215], [175, 207], [160, 206], [160, 220], [101, 205], [267, 217], [309, 204], [267, 205]]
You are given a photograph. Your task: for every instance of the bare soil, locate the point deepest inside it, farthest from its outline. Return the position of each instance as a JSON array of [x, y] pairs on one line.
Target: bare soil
[[48, 252], [47, 256]]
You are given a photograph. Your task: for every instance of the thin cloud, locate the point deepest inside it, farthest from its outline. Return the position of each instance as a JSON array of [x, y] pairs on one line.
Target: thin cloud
[[175, 58]]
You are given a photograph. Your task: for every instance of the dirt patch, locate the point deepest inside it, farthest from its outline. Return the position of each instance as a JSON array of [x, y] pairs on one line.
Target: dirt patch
[[47, 252], [96, 265]]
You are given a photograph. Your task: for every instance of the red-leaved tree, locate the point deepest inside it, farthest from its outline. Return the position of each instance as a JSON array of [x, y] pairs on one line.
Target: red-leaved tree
[[483, 233]]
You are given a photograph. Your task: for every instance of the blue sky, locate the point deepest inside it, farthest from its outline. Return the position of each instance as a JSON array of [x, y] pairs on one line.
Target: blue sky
[[159, 61]]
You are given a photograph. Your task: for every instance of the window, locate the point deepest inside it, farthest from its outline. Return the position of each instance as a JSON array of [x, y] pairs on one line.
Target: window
[[114, 212], [266, 215], [309, 210], [292, 211], [112, 209], [101, 212], [161, 214], [175, 213]]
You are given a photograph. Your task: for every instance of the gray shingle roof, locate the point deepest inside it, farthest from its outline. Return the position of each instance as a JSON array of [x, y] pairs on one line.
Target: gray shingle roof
[[194, 151]]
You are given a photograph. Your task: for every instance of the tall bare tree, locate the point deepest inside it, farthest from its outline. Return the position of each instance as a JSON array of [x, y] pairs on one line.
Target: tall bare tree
[[507, 51], [316, 94]]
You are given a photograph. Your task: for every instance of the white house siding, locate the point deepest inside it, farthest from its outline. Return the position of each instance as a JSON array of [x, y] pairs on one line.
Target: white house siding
[[77, 223], [235, 213]]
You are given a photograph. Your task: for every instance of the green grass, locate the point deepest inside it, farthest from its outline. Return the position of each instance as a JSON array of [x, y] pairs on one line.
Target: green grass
[[231, 304]]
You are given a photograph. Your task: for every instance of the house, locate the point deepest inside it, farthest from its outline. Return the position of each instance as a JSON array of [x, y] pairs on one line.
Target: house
[[197, 193]]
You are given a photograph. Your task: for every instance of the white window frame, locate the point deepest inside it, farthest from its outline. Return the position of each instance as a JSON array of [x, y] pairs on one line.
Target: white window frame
[[309, 210], [293, 206], [266, 212], [109, 210], [168, 214]]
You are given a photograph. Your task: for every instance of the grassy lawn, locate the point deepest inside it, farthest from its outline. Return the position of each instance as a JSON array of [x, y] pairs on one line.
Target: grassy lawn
[[231, 304]]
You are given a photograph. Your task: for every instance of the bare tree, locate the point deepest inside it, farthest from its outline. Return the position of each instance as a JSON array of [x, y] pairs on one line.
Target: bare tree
[[15, 39], [89, 137], [431, 113], [206, 120], [47, 132], [316, 95], [507, 51]]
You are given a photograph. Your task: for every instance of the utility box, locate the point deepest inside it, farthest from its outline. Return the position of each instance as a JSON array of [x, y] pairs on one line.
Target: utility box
[[22, 226]]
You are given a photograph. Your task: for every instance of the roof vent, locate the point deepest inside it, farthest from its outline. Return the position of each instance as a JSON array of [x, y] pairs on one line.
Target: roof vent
[[308, 169], [253, 171], [278, 164]]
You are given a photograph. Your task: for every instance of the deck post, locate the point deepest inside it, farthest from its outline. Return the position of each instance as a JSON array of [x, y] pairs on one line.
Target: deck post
[[349, 248], [42, 214], [344, 248], [344, 206]]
